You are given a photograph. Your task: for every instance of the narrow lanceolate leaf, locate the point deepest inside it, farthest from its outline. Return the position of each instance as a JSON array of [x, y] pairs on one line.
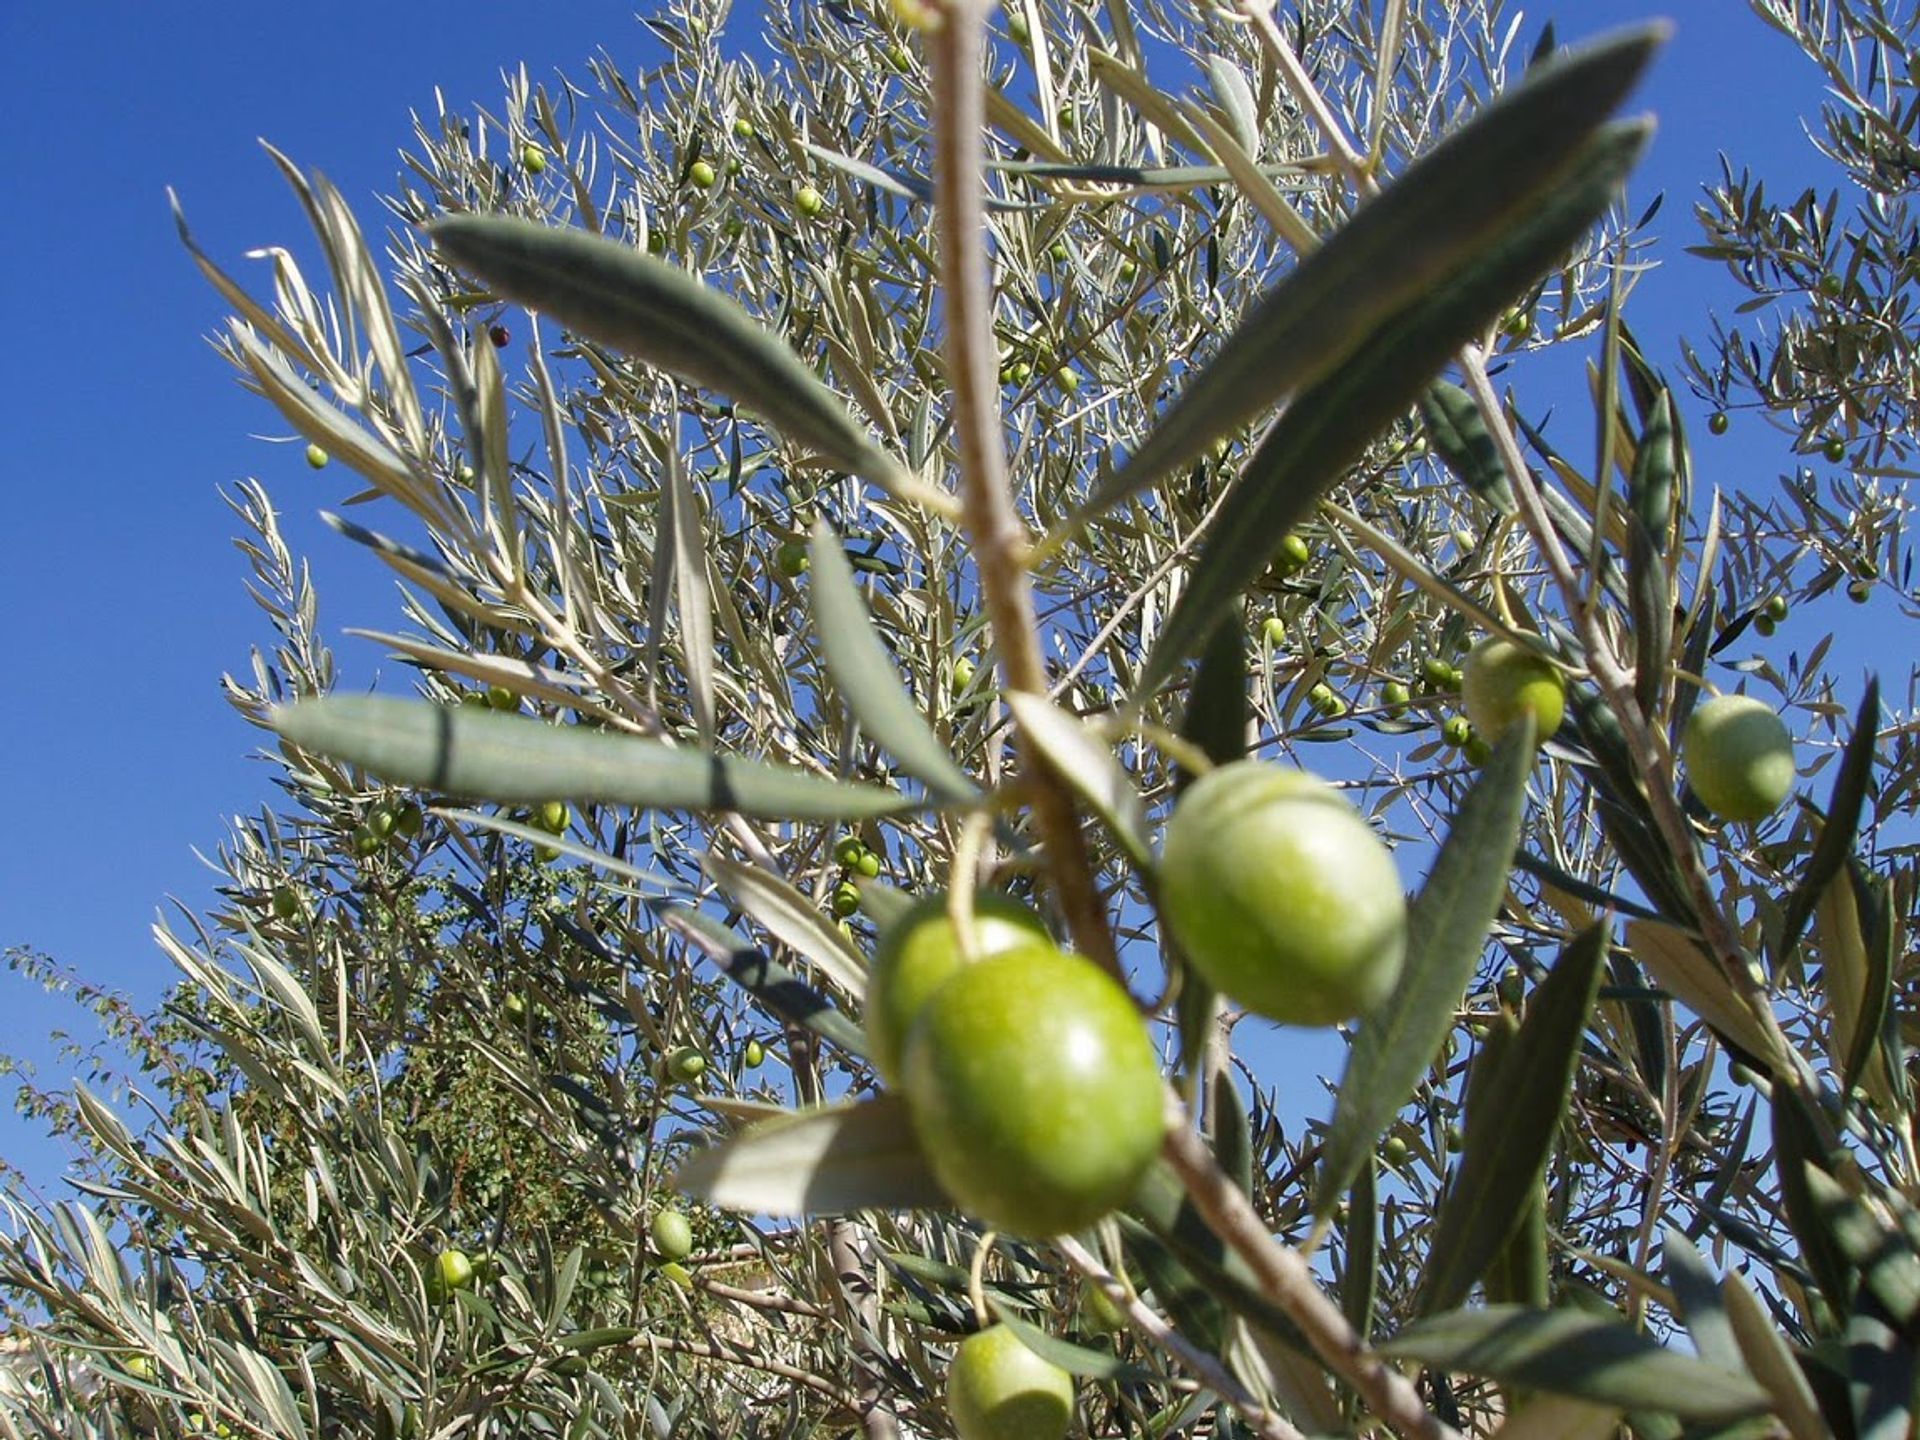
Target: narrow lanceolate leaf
[[1882, 1254], [1083, 760], [1327, 427], [1459, 436], [1074, 1359], [458, 750], [776, 988], [791, 919], [1588, 1357], [1216, 715], [819, 1162], [1771, 1362], [1843, 819], [1683, 968], [1420, 236], [1446, 932], [1697, 1291], [657, 312], [869, 680], [1511, 1126]]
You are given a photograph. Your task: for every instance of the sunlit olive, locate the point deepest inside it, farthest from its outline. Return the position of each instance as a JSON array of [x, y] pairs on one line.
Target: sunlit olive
[[1273, 630], [533, 158], [701, 175], [846, 900], [317, 457], [809, 201], [1739, 757], [963, 673], [1282, 896], [753, 1055], [672, 1234], [743, 129], [1718, 422], [1835, 450], [1502, 681], [1776, 607], [501, 698]]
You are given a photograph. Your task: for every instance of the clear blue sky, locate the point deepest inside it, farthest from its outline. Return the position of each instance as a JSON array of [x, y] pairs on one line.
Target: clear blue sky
[[118, 572]]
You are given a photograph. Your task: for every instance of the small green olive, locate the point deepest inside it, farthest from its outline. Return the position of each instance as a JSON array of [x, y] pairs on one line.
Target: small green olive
[[285, 903], [963, 673], [499, 697], [1274, 631], [1395, 696], [686, 1064], [809, 201], [1831, 285], [847, 851], [1718, 422], [1835, 450], [1067, 378], [846, 900], [1395, 1151], [701, 175], [1739, 757], [743, 129], [868, 865], [1282, 896], [791, 559], [317, 457], [1294, 554], [998, 1389], [533, 159], [1456, 731], [1859, 591], [753, 1055], [1776, 608]]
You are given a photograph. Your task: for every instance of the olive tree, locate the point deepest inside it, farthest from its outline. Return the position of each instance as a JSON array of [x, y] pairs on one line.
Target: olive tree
[[928, 486]]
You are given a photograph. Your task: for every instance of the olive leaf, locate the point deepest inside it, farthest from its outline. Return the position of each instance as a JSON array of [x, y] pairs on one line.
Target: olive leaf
[[512, 759], [1574, 1353], [830, 1161], [1424, 234], [609, 292], [1447, 929]]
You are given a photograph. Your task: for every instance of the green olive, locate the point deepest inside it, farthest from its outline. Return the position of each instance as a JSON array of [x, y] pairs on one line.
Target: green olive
[[1273, 630], [533, 158], [998, 1389], [701, 175], [317, 457], [1718, 422], [791, 559], [847, 851], [846, 900], [920, 952], [1035, 1091], [963, 673], [1502, 681], [753, 1055], [809, 201], [686, 1064], [1739, 757], [672, 1234], [501, 698], [1282, 896]]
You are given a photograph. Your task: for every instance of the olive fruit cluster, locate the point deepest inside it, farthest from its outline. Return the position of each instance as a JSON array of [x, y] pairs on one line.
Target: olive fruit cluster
[[1281, 896], [1032, 1082], [853, 856], [998, 1389], [1739, 757]]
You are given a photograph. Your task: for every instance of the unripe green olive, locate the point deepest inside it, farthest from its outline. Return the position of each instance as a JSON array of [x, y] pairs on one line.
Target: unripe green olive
[[1859, 591], [1835, 450], [963, 673], [453, 1270], [1437, 674], [533, 158], [1776, 608], [791, 559], [743, 129], [1067, 378], [285, 904], [1766, 625], [1502, 681], [366, 841], [920, 952], [1098, 1311], [1718, 422], [1035, 1091], [553, 816], [1394, 696], [408, 818], [809, 201], [1511, 986], [1394, 1151], [1831, 285], [1274, 631], [1456, 731], [753, 1055], [868, 865], [1281, 896], [317, 457], [672, 1235], [501, 698], [686, 1064], [1477, 750], [1456, 1139], [1294, 554], [1739, 757], [998, 1389], [846, 900], [847, 851], [700, 175]]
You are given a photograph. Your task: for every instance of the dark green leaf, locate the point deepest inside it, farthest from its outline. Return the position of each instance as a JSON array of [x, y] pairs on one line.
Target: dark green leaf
[[868, 678], [1216, 713], [1446, 932], [1798, 1150], [829, 1161], [1232, 1137], [1886, 1261], [1423, 234], [511, 759], [1327, 427], [1459, 436], [1511, 1127], [1074, 1359], [1360, 1279], [1569, 1352], [612, 293], [1842, 821], [1872, 898]]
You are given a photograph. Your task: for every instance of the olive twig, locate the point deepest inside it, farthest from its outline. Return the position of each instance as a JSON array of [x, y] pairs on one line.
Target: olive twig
[[1288, 1281], [1209, 1371]]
